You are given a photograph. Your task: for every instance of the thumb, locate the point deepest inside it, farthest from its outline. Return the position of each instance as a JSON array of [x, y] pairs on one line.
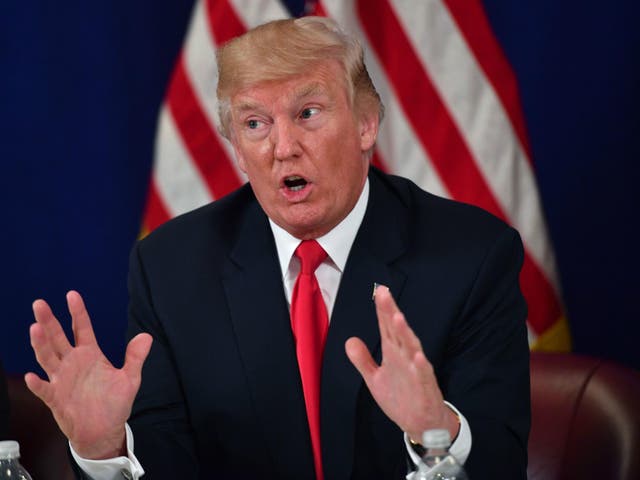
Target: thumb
[[136, 354], [40, 388], [360, 357]]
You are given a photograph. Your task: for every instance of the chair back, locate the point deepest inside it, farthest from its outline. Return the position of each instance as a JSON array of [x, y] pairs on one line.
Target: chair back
[[585, 419], [43, 447]]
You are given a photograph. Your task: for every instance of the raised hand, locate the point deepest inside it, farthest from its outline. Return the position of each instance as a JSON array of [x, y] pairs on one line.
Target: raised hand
[[90, 398], [403, 385]]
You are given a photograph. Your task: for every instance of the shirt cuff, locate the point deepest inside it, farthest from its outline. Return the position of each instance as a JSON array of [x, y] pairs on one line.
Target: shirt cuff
[[115, 468], [460, 448]]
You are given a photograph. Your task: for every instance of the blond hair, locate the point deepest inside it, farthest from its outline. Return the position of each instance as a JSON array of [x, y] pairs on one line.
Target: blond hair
[[285, 48]]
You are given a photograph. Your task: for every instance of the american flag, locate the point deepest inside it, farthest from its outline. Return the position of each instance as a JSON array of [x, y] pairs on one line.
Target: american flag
[[453, 122]]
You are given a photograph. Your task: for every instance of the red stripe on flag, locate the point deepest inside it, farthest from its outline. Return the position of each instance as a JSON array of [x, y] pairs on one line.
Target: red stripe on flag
[[440, 137], [424, 108], [376, 159], [194, 128], [543, 303], [156, 212], [318, 9], [198, 135], [224, 21], [474, 26]]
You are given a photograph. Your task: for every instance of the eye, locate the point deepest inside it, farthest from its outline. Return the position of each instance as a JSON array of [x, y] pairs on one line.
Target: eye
[[253, 123], [308, 113]]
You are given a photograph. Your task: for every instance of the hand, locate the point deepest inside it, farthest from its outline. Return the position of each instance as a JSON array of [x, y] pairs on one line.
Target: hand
[[403, 385], [89, 398]]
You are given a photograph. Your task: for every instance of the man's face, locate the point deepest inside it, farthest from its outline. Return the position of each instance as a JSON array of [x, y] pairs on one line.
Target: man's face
[[302, 147]]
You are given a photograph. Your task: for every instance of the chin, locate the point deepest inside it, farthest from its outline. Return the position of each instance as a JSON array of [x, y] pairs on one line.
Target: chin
[[305, 230]]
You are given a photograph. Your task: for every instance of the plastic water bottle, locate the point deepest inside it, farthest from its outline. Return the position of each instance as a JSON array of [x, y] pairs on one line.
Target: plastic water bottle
[[437, 463], [10, 468]]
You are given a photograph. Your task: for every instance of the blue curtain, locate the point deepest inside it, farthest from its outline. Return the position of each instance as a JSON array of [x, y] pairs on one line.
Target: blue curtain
[[80, 88]]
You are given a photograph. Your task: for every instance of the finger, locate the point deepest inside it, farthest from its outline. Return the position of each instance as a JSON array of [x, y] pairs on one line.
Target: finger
[[385, 303], [386, 309], [427, 377], [424, 367], [45, 354], [381, 299], [404, 336], [81, 323], [137, 352], [51, 327], [359, 355], [393, 329], [39, 387]]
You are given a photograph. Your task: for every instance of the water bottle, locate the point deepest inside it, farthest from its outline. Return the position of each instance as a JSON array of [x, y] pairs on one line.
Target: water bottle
[[10, 468], [437, 463]]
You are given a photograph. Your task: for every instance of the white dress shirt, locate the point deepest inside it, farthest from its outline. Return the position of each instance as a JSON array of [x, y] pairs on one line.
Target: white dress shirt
[[337, 243]]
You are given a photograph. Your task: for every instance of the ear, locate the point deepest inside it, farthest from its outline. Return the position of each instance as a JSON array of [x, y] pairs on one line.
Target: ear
[[368, 125]]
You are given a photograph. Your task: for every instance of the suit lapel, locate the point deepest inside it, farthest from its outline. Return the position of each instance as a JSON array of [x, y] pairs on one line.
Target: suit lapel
[[260, 316], [253, 287], [381, 239]]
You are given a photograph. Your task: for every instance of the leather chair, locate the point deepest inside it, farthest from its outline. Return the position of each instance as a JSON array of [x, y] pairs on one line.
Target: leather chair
[[585, 423], [585, 419], [43, 447]]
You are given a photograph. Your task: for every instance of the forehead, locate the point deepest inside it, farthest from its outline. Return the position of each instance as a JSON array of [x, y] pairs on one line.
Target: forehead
[[324, 79]]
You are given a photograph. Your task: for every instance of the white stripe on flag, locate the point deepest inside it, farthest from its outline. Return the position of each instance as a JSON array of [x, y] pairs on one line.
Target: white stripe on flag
[[482, 120], [397, 141], [257, 12], [177, 180], [459, 80], [202, 71]]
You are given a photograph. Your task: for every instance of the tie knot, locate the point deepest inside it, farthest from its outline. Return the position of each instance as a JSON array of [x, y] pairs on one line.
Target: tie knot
[[311, 254]]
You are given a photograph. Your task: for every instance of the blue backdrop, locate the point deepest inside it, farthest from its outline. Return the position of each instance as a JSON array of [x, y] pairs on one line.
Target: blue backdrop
[[80, 88]]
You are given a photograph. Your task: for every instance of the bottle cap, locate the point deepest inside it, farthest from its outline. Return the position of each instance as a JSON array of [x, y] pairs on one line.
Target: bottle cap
[[9, 449], [436, 438]]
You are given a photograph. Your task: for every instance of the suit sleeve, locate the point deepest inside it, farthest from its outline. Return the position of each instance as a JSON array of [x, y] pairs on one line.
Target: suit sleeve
[[159, 420], [486, 369]]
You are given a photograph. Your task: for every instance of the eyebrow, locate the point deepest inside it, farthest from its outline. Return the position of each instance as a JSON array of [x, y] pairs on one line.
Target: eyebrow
[[309, 90]]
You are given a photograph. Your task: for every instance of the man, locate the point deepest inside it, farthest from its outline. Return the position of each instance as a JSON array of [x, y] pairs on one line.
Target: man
[[226, 391]]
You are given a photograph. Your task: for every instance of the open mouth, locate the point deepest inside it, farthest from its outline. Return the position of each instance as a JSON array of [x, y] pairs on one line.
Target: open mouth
[[295, 183]]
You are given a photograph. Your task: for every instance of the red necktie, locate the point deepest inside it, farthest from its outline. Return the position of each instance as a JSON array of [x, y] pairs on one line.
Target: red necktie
[[309, 321]]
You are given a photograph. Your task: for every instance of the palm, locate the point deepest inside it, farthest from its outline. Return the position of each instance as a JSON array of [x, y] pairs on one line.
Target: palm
[[403, 385], [79, 395], [89, 398]]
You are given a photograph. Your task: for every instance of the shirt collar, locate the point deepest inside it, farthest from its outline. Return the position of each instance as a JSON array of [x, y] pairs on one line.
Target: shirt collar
[[337, 242]]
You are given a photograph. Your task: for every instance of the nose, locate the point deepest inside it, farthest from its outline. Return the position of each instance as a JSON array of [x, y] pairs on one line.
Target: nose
[[285, 136]]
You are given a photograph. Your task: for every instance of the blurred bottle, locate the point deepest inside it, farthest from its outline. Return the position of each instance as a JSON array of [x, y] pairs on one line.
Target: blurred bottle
[[437, 463], [10, 468]]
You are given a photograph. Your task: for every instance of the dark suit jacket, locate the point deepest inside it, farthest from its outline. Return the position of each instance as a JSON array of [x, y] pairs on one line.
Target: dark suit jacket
[[221, 394]]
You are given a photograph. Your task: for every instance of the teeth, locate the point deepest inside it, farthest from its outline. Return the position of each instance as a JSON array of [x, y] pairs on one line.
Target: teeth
[[295, 183]]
